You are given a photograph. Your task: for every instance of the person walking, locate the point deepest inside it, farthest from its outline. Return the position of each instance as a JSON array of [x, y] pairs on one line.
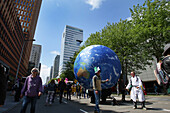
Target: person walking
[[155, 89], [3, 85], [32, 89], [51, 87], [78, 88], [61, 86], [136, 90], [17, 88], [68, 91], [97, 87]]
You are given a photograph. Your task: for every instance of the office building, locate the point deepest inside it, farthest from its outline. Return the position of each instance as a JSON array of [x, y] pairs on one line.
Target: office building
[[28, 12], [51, 73], [11, 40], [71, 40], [56, 66], [47, 80], [35, 55]]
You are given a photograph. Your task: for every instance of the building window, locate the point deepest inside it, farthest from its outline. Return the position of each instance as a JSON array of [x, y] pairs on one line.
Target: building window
[[24, 13], [24, 23], [24, 3], [26, 19], [20, 17], [78, 43], [21, 12], [18, 11], [23, 8], [23, 29], [27, 24], [23, 18], [30, 14], [20, 7], [21, 23]]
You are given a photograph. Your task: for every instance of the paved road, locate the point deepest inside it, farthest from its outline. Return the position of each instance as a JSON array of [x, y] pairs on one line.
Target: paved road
[[156, 104]]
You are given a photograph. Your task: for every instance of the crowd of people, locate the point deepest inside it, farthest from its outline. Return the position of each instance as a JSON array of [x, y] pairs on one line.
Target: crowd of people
[[32, 88]]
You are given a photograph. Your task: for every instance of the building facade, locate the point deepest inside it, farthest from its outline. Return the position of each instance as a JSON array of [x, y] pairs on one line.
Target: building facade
[[71, 40], [51, 73], [11, 40], [35, 55], [56, 66], [28, 12]]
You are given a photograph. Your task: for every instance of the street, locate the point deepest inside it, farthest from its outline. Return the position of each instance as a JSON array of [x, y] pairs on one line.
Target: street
[[157, 104]]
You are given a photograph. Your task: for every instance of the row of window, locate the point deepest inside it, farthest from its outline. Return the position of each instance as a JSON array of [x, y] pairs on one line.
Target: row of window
[[7, 39], [24, 24], [73, 33], [24, 8], [6, 55], [24, 18], [24, 12], [74, 29], [22, 1]]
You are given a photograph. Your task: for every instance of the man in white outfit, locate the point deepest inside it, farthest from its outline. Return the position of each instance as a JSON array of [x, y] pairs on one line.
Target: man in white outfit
[[136, 90]]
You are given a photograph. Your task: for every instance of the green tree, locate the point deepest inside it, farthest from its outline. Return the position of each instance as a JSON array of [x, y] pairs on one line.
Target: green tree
[[69, 72], [152, 28]]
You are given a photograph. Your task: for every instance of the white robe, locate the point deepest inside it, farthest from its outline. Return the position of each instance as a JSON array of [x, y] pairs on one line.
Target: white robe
[[136, 92]]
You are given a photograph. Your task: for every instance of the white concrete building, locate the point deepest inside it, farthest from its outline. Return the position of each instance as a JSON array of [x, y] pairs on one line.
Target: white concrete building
[[35, 55], [56, 66], [70, 43]]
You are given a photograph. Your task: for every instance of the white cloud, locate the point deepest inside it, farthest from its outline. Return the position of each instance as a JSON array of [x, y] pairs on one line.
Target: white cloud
[[44, 72], [55, 52], [94, 3]]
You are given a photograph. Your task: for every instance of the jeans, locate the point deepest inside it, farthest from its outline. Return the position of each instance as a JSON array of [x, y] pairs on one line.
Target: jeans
[[97, 100], [27, 100], [49, 97]]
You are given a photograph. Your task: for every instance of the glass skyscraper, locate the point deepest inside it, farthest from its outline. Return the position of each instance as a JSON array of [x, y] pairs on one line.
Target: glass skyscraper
[[70, 43]]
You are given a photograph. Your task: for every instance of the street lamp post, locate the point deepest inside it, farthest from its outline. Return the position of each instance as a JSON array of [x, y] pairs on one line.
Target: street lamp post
[[16, 77]]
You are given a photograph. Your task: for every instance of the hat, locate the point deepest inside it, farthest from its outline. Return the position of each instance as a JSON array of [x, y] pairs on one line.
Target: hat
[[166, 49], [96, 69]]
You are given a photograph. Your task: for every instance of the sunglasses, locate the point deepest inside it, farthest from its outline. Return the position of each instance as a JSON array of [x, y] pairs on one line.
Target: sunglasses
[[34, 71]]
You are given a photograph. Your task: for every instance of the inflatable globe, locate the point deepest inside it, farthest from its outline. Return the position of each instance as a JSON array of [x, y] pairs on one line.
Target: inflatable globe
[[97, 56]]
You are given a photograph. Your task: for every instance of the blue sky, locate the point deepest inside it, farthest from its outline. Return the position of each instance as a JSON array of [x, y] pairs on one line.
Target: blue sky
[[89, 15]]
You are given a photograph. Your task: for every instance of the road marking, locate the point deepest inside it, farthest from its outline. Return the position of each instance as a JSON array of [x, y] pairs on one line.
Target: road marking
[[165, 110], [83, 111]]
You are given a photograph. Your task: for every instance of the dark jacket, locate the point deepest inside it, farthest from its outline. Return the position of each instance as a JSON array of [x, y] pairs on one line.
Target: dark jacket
[[62, 85], [51, 87], [3, 85]]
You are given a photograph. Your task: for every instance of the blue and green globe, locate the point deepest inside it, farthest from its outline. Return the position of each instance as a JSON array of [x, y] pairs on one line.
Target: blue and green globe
[[97, 56]]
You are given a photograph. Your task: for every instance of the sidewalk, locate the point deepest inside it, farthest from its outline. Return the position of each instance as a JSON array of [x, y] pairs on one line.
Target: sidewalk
[[9, 103]]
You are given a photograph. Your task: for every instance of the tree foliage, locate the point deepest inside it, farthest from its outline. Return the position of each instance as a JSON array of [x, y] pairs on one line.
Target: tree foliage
[[152, 25]]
